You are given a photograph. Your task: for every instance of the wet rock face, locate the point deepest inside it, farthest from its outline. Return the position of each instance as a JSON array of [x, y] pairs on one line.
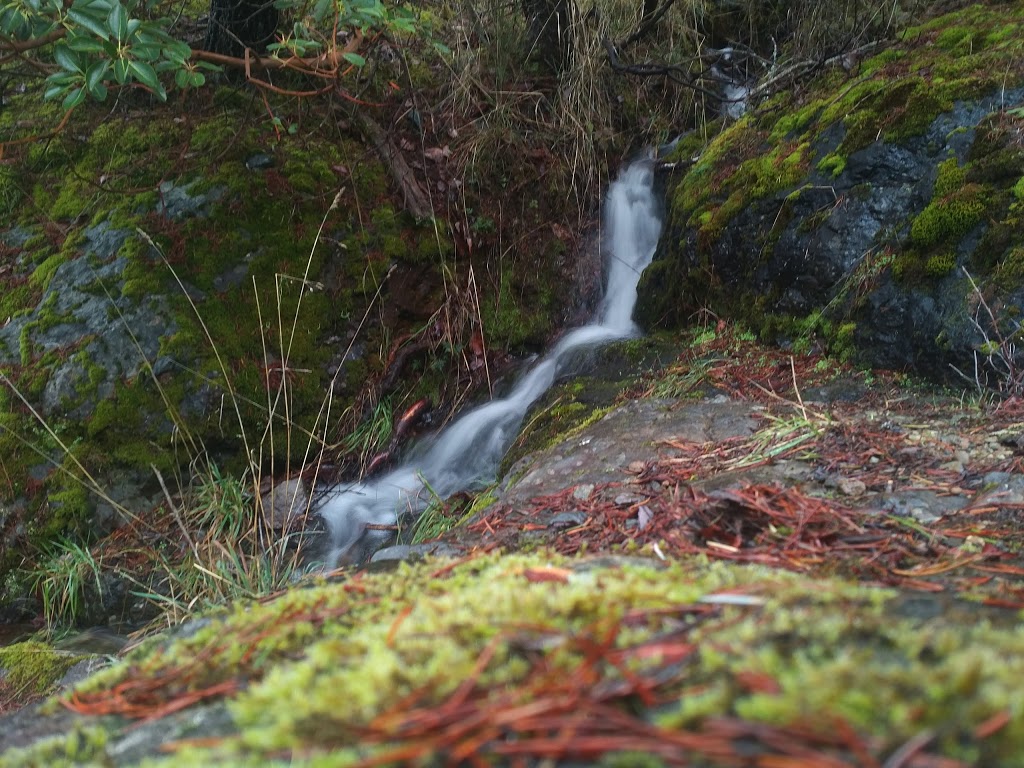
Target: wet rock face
[[852, 212], [77, 307]]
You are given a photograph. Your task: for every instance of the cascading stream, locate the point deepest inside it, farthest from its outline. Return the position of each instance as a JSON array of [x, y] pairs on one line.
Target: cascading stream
[[470, 449]]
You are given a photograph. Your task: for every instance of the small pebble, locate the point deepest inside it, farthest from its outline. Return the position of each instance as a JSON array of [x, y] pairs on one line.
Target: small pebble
[[583, 491], [851, 486], [565, 520]]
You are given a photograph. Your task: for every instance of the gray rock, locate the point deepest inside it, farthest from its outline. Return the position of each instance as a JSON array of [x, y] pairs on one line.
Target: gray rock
[[565, 520], [178, 202], [259, 162], [285, 504], [414, 551]]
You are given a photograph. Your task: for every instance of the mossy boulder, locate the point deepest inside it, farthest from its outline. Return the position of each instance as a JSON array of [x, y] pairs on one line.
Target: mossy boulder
[[523, 651], [861, 201]]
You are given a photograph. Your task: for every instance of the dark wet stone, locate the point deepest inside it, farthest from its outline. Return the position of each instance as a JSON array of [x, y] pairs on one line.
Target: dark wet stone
[[259, 162], [565, 520]]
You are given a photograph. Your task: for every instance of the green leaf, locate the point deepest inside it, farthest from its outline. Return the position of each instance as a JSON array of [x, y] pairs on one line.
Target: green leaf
[[121, 71], [146, 75], [179, 53], [74, 98], [182, 78], [54, 91], [322, 8], [117, 22], [197, 79], [95, 76], [66, 58], [355, 59], [146, 51], [90, 21], [83, 44]]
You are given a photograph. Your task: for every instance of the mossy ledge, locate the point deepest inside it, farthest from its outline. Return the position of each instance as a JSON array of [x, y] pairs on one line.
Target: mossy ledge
[[309, 673]]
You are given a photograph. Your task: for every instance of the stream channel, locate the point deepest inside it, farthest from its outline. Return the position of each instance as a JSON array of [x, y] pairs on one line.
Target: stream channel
[[468, 452]]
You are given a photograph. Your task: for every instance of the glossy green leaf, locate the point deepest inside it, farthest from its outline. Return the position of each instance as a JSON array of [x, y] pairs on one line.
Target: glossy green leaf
[[54, 91], [83, 44], [91, 21], [95, 76], [117, 22], [121, 71], [355, 59], [73, 99], [66, 58], [146, 51], [145, 74], [178, 53]]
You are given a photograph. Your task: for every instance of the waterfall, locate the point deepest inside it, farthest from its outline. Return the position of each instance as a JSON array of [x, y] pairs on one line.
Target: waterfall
[[470, 449]]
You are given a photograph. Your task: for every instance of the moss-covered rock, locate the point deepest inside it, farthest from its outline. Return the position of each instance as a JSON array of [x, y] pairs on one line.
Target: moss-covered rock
[[341, 673], [32, 668], [860, 199]]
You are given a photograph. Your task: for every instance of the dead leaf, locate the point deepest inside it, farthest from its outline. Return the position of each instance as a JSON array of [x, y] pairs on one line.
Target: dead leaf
[[437, 154]]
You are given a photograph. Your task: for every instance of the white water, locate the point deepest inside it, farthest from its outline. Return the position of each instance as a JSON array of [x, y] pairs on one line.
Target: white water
[[470, 449]]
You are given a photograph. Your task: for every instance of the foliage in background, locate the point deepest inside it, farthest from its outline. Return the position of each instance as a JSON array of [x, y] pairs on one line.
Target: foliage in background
[[92, 46]]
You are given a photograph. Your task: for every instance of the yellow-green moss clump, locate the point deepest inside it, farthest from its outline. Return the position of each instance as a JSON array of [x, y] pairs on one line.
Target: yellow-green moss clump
[[32, 667], [316, 666]]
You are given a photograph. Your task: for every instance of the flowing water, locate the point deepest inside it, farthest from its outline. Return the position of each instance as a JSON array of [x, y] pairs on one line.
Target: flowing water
[[470, 449]]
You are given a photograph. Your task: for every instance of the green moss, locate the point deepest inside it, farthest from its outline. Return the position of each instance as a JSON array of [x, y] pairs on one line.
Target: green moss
[[878, 61], [945, 221], [843, 342], [956, 39], [43, 274], [1018, 189], [413, 637], [84, 745], [832, 165], [940, 265], [433, 245], [394, 247], [11, 192], [1009, 273], [18, 299], [950, 177], [33, 667]]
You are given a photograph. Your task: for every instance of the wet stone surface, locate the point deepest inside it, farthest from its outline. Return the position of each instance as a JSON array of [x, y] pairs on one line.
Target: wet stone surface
[[634, 432]]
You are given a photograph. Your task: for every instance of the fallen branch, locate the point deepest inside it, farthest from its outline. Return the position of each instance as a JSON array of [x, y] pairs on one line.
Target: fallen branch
[[416, 199]]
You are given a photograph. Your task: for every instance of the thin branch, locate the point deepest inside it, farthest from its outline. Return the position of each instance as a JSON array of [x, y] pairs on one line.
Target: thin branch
[[646, 25], [673, 72], [20, 46]]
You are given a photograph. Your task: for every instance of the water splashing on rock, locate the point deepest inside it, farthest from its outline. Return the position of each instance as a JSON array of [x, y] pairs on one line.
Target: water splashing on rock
[[470, 449]]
